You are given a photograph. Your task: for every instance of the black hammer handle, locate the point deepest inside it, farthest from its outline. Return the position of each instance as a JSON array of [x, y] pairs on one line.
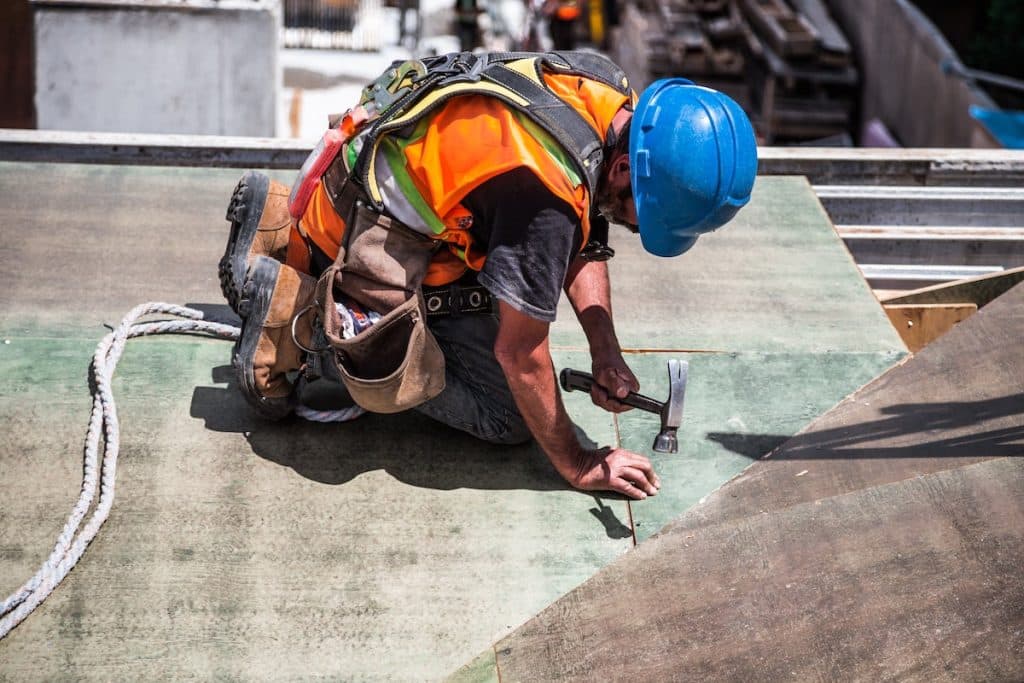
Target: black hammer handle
[[577, 380]]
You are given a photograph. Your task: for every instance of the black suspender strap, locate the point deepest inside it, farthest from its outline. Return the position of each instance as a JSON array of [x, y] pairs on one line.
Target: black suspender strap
[[555, 116], [465, 70]]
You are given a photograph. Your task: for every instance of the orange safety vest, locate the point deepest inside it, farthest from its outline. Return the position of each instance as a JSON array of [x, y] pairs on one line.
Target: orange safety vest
[[423, 176]]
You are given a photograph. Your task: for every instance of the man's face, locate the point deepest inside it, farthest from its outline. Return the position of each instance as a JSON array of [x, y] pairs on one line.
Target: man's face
[[615, 198]]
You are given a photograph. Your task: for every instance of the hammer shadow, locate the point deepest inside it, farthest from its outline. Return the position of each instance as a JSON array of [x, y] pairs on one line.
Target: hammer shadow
[[909, 430], [410, 447]]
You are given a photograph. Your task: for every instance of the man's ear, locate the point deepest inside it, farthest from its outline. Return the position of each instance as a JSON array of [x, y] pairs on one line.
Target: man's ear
[[619, 171]]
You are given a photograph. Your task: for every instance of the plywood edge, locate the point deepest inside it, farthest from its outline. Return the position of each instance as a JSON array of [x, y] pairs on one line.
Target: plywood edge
[[977, 290]]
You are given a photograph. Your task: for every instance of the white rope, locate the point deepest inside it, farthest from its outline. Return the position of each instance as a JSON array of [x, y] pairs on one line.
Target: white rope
[[72, 542]]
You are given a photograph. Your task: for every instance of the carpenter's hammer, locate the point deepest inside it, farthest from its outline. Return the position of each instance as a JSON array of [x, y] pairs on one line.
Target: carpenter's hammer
[[671, 411]]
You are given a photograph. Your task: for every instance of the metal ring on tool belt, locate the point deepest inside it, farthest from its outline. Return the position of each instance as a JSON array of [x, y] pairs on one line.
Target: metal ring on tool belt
[[434, 302]]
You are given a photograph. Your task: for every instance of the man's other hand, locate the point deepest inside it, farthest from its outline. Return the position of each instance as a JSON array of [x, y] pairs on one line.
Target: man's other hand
[[612, 380], [616, 469]]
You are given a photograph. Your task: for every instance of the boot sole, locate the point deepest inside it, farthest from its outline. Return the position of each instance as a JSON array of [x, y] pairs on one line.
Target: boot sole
[[244, 211], [254, 306]]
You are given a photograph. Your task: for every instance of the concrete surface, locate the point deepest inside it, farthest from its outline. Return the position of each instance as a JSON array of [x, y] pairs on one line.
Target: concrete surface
[[383, 549], [900, 54], [189, 67]]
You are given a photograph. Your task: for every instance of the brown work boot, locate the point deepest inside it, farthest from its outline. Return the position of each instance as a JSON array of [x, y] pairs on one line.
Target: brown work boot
[[260, 225], [270, 345]]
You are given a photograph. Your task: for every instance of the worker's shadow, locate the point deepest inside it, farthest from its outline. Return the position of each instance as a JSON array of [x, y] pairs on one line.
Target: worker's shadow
[[409, 446], [987, 428]]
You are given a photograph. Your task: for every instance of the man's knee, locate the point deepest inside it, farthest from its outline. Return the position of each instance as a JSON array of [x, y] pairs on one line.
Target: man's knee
[[508, 430]]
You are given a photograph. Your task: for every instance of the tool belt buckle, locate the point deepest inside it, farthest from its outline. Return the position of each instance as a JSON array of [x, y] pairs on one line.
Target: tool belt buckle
[[395, 83]]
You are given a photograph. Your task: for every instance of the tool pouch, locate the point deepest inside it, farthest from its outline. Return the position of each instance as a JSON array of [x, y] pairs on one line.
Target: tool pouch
[[396, 363]]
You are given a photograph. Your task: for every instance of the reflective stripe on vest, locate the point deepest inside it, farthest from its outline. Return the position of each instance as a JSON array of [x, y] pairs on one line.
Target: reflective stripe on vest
[[519, 83], [548, 113]]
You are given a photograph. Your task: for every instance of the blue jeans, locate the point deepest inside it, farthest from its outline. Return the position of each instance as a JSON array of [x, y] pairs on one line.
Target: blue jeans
[[476, 398]]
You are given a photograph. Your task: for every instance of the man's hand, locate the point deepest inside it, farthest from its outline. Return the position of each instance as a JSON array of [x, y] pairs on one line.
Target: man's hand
[[616, 469], [612, 380], [523, 352]]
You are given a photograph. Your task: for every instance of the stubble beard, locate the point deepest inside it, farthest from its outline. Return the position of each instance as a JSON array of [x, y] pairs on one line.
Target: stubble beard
[[612, 205]]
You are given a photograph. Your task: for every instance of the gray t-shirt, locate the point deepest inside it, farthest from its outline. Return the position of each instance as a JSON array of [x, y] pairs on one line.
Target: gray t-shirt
[[529, 235]]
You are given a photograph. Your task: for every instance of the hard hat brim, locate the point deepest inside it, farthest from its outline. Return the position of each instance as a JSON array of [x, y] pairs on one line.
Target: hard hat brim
[[665, 247]]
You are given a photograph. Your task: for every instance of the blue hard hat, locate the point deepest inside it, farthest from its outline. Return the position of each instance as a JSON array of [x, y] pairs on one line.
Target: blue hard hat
[[693, 160]]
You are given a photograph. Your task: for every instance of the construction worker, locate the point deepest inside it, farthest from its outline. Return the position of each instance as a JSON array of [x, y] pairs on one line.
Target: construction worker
[[562, 16], [501, 176], [467, 24]]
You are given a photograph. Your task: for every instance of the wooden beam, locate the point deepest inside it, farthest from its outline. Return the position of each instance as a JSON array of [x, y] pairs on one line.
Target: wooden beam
[[977, 290], [789, 33], [921, 324]]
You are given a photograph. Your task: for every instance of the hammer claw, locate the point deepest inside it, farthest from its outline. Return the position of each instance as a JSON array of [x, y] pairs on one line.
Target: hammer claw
[[677, 374]]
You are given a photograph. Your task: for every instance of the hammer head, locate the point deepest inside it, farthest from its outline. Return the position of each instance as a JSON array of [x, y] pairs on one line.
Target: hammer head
[[672, 410]]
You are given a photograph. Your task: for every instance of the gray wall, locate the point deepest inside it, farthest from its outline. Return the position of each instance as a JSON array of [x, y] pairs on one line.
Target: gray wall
[[192, 67], [900, 54]]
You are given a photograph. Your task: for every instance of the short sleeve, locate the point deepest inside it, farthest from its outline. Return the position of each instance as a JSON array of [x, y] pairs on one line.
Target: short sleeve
[[529, 236]]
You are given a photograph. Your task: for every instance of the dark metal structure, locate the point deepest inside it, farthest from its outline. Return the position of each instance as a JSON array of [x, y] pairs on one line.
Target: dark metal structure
[[787, 63], [332, 23]]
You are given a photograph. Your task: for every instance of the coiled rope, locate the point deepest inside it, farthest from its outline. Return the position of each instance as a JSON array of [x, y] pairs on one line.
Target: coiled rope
[[103, 422], [73, 540]]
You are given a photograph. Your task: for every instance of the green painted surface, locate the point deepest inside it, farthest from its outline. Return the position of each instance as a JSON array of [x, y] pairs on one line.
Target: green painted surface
[[776, 279], [388, 548], [732, 402], [483, 669]]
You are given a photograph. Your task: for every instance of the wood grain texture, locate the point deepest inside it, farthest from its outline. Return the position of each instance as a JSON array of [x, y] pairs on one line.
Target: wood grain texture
[[883, 541], [921, 324], [914, 580]]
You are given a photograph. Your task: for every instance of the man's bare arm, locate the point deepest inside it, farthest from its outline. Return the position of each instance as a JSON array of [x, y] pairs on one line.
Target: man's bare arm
[[589, 291], [523, 351]]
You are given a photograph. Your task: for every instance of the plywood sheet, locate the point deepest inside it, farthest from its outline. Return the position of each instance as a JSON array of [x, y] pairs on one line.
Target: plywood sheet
[[83, 244], [387, 548], [236, 548], [881, 541], [960, 400], [916, 580], [738, 408], [776, 279], [976, 290]]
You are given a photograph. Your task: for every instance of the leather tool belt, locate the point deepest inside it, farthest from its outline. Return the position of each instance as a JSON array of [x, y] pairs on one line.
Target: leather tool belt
[[395, 364], [456, 299]]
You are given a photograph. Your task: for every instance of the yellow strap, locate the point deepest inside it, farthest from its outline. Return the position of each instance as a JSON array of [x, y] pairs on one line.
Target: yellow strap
[[429, 100]]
